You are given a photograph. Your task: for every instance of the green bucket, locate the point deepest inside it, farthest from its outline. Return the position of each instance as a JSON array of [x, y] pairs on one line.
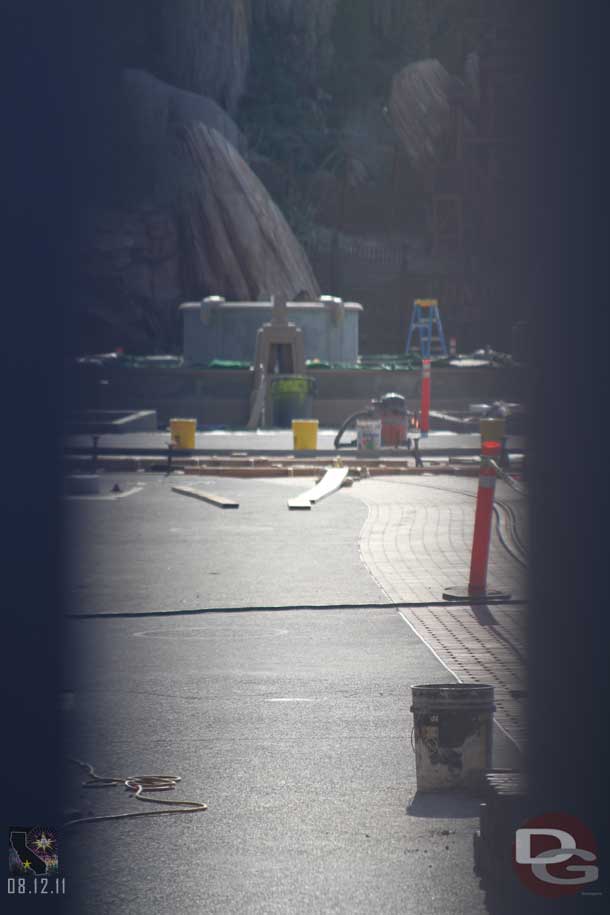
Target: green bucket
[[291, 398], [295, 385]]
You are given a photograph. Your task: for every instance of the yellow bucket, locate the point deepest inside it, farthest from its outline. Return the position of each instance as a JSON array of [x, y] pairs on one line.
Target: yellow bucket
[[305, 434], [492, 430], [183, 432]]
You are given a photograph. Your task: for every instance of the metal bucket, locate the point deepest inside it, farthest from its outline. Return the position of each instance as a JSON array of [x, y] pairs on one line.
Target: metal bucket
[[452, 734]]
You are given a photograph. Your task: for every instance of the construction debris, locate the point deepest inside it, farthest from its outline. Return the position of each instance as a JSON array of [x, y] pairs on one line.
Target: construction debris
[[331, 481], [251, 468], [212, 498]]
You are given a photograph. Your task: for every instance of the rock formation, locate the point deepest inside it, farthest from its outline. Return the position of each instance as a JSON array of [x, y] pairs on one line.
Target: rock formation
[[236, 242], [154, 108], [208, 226], [420, 107], [205, 47]]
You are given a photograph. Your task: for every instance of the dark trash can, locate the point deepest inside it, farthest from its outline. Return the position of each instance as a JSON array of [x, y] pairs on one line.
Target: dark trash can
[[292, 398]]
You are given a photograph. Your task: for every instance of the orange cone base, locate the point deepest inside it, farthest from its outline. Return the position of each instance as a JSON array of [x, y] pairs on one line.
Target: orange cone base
[[475, 597]]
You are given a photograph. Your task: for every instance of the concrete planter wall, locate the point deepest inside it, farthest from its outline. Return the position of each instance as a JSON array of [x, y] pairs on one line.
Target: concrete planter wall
[[227, 330], [222, 397]]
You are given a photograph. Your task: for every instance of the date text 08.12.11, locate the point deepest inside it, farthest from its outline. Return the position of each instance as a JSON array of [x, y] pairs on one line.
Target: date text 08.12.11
[[50, 886]]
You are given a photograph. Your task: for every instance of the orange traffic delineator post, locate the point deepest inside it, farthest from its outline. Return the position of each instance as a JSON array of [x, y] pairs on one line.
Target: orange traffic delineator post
[[477, 591], [425, 398]]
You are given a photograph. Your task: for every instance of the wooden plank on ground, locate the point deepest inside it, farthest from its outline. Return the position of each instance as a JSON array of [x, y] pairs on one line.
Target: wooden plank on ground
[[212, 498], [330, 482], [299, 504]]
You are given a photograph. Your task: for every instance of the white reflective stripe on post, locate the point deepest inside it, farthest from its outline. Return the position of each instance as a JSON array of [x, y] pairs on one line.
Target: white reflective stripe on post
[[425, 369], [486, 482]]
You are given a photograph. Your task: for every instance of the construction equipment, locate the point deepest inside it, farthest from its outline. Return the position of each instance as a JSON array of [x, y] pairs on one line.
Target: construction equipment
[[426, 320], [399, 426]]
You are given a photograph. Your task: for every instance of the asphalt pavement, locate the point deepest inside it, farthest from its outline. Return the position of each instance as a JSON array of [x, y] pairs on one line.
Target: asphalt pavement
[[155, 550], [292, 725]]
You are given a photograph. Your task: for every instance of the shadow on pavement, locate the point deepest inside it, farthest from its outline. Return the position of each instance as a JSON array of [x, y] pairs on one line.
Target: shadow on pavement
[[503, 894], [443, 805], [483, 615]]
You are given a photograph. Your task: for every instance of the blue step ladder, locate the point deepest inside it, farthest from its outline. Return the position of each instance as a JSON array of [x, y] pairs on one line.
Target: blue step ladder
[[426, 319]]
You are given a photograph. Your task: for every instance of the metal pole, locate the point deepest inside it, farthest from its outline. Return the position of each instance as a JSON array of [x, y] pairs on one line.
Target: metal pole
[[425, 397]]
